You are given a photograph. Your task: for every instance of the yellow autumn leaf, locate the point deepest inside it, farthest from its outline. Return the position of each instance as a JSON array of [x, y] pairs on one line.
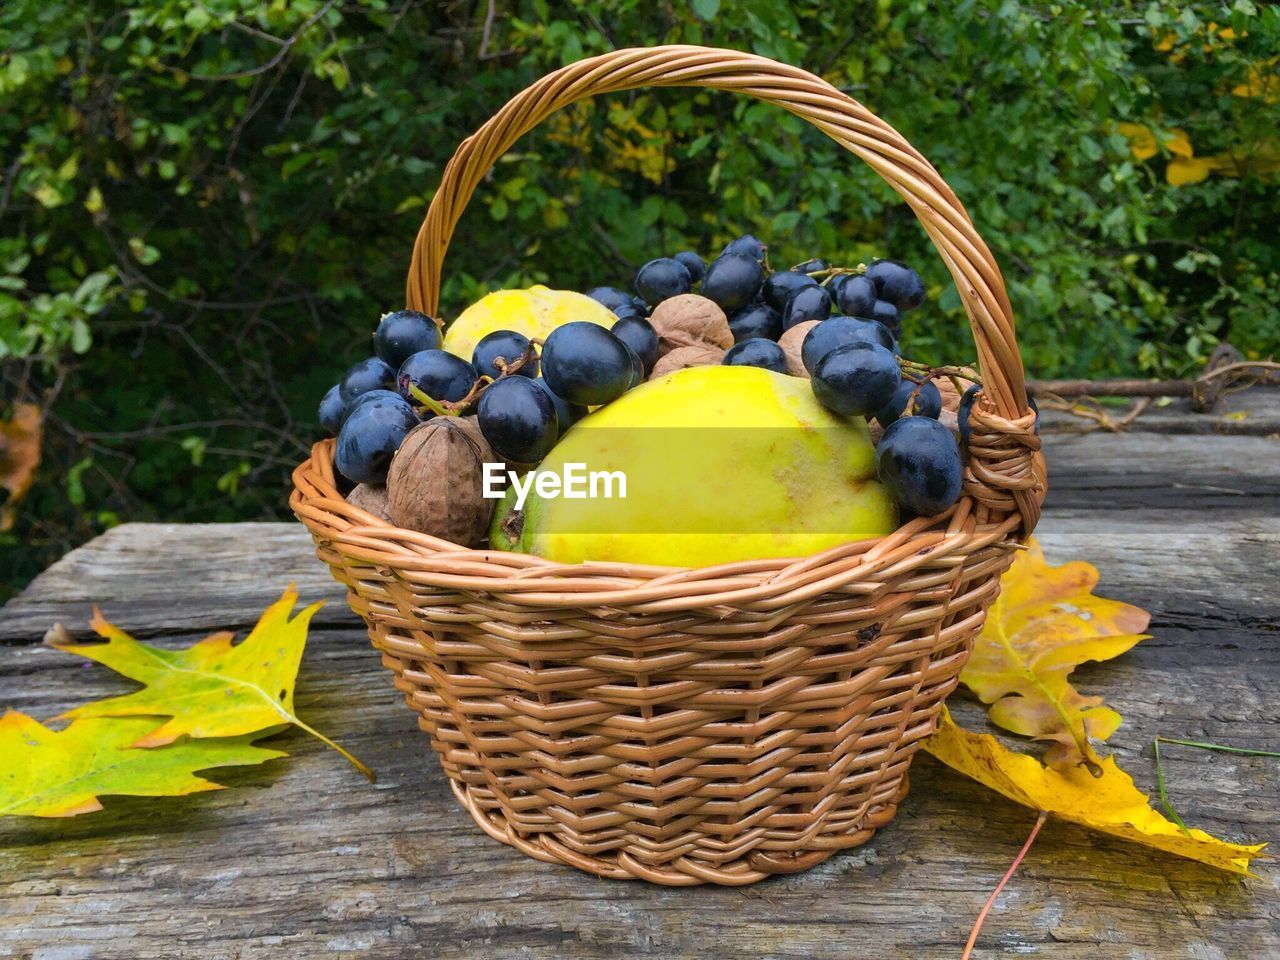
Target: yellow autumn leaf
[[1141, 140], [62, 773], [212, 689], [1046, 622], [1109, 803], [1184, 170], [1178, 143]]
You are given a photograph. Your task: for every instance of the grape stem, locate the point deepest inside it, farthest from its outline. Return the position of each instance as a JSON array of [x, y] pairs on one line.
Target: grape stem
[[448, 408], [954, 373], [831, 273], [454, 408], [519, 363]]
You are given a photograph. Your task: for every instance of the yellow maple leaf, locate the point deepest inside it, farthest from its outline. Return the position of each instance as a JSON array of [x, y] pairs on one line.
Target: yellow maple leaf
[[61, 773], [1046, 622], [212, 689], [1109, 803]]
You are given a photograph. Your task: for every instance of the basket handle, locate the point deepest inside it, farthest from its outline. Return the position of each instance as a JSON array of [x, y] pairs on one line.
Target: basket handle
[[1004, 472]]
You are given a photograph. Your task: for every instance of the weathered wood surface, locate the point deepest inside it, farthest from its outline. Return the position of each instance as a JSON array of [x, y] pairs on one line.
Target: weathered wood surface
[[304, 859], [228, 573]]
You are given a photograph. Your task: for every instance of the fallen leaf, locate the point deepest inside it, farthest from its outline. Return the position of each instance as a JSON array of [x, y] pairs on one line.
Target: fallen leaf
[[20, 438], [215, 688], [1046, 622], [61, 773], [1109, 803]]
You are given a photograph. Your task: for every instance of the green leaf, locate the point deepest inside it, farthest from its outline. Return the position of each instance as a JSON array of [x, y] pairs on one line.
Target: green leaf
[[706, 9]]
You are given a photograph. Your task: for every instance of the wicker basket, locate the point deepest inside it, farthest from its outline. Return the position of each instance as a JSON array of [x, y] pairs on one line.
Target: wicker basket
[[713, 725]]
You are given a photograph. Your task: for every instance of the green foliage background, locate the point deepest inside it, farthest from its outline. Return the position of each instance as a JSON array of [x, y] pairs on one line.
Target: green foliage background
[[207, 203]]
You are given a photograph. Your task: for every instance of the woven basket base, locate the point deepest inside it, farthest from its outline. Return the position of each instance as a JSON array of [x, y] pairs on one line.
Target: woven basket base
[[737, 873]]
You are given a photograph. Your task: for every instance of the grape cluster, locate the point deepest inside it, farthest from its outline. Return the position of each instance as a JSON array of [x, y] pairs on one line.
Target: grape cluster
[[523, 399]]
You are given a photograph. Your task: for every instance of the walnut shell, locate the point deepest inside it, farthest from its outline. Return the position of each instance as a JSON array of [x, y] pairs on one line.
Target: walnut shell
[[371, 499], [690, 321], [699, 355], [791, 341], [950, 402], [436, 482]]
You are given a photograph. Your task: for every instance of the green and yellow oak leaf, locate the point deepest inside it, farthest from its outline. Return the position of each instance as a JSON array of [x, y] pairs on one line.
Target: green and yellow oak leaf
[[61, 773], [215, 688], [1046, 622], [1109, 803]]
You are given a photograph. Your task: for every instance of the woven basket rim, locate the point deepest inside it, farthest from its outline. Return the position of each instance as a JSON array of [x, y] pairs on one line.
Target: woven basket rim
[[764, 584]]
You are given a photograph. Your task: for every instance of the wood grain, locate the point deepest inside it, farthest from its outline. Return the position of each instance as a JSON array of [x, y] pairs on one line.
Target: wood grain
[[303, 859]]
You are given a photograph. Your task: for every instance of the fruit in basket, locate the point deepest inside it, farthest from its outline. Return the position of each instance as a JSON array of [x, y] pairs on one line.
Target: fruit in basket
[[888, 314], [693, 263], [638, 334], [567, 414], [856, 380], [662, 279], [689, 321], [919, 464], [370, 437], [611, 297], [856, 296], [722, 464], [534, 312], [436, 482], [781, 285], [757, 352], [732, 281], [681, 358], [586, 364], [508, 347], [637, 368], [756, 320], [440, 375], [896, 283], [332, 410], [371, 373], [518, 418], [372, 396], [371, 499], [911, 399], [839, 331], [792, 344], [747, 246], [403, 333], [805, 304]]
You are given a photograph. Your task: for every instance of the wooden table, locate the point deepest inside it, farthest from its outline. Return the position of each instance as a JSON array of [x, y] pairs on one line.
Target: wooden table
[[304, 859]]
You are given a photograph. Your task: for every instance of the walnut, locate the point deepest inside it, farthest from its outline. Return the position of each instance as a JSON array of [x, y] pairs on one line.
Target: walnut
[[700, 355], [791, 342], [370, 499], [690, 321], [950, 402], [436, 482]]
